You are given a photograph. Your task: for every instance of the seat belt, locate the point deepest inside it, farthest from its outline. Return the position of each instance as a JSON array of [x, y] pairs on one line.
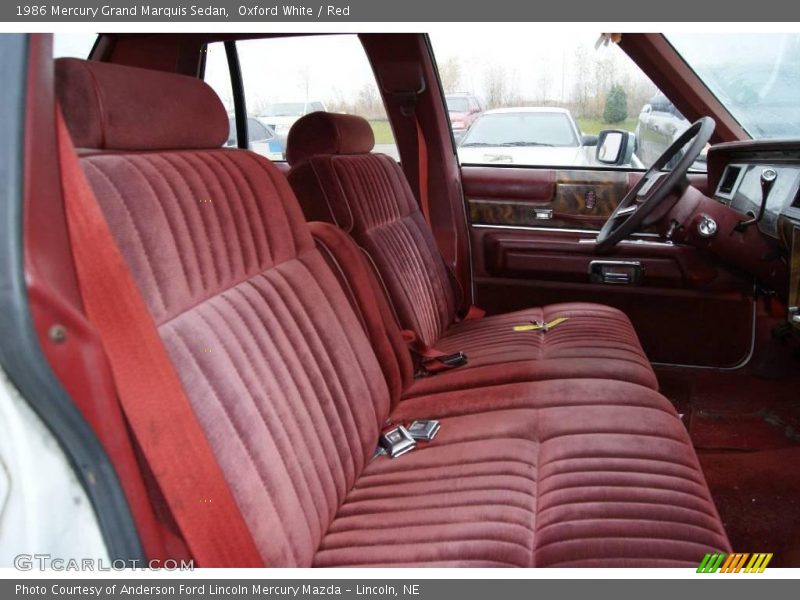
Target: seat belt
[[408, 104], [149, 391], [422, 172], [473, 312]]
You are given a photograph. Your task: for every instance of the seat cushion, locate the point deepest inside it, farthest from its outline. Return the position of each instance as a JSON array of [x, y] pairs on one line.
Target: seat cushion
[[595, 342], [599, 474], [466, 499]]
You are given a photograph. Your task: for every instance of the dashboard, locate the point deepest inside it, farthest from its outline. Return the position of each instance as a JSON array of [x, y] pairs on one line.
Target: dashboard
[[736, 174], [740, 188]]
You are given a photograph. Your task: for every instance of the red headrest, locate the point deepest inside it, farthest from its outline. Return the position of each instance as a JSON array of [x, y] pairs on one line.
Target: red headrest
[[328, 133], [116, 107]]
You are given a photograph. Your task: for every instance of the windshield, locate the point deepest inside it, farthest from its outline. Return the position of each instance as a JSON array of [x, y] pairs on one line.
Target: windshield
[[521, 129], [755, 76], [457, 104], [285, 109]]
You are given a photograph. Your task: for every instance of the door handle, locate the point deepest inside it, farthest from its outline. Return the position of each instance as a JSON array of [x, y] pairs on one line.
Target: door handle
[[615, 272], [616, 277]]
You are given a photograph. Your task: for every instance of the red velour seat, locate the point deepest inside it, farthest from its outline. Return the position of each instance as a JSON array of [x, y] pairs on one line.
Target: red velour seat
[[338, 180], [289, 393]]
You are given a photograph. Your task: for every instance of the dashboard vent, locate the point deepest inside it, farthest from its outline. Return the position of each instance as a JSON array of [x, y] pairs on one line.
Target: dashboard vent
[[729, 179]]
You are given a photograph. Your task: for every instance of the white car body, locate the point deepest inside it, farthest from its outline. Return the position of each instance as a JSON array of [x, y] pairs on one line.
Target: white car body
[[282, 120], [534, 155], [43, 508], [555, 156]]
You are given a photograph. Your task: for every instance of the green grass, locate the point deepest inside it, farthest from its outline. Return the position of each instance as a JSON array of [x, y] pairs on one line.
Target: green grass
[[594, 126], [383, 132]]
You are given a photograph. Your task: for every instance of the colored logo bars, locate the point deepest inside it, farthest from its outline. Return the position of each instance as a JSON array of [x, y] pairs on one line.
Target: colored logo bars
[[734, 563]]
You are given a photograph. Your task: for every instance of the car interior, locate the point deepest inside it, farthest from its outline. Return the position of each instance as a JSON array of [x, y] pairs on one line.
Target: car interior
[[344, 359]]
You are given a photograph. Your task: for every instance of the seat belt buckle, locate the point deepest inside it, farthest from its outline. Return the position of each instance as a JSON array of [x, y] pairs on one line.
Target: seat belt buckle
[[424, 430], [396, 441]]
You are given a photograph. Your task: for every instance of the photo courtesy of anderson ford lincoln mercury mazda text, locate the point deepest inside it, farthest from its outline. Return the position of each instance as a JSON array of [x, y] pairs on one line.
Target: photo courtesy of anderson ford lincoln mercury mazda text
[[401, 300]]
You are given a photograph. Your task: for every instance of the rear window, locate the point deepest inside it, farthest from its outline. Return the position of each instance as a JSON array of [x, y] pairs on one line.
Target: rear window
[[285, 78]]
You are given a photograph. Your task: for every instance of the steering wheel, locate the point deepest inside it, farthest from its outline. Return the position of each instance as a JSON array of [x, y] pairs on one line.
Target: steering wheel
[[646, 202]]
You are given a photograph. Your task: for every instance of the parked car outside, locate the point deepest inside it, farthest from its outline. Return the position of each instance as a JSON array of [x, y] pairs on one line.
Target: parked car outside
[[282, 115], [659, 124], [543, 136], [261, 137], [462, 109]]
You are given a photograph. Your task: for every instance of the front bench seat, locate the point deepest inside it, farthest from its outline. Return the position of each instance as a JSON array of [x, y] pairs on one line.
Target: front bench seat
[[291, 397], [338, 180]]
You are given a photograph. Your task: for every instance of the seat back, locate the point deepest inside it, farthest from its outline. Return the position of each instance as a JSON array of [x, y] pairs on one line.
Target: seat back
[[268, 349], [338, 180]]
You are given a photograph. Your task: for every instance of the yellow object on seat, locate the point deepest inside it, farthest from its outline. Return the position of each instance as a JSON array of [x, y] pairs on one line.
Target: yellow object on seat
[[541, 325]]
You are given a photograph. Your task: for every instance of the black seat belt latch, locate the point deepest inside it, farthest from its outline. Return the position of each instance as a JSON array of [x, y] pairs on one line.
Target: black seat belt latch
[[436, 364], [456, 359]]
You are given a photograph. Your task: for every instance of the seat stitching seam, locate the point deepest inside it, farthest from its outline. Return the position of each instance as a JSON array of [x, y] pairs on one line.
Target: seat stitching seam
[[132, 163], [136, 231], [212, 157]]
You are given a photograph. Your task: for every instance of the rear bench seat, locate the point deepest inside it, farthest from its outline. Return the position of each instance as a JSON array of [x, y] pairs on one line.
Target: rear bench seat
[[338, 180], [289, 393]]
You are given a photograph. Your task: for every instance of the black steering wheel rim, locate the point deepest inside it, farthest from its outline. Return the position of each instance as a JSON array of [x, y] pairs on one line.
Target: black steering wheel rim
[[655, 186]]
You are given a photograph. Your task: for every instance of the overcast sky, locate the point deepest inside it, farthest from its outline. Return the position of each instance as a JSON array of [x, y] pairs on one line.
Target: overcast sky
[[329, 67]]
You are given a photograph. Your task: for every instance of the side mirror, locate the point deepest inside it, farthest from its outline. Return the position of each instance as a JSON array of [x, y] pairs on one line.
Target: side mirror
[[615, 147], [589, 140]]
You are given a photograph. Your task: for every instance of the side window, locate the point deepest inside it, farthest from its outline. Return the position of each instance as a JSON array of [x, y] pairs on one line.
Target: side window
[[73, 45], [287, 77], [546, 98], [218, 77]]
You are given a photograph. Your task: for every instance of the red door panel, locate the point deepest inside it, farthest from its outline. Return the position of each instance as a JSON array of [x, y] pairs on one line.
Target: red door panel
[[567, 256], [687, 309]]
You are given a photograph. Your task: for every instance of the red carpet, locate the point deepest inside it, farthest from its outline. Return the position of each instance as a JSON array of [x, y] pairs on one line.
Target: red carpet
[[758, 497], [736, 411], [746, 430]]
